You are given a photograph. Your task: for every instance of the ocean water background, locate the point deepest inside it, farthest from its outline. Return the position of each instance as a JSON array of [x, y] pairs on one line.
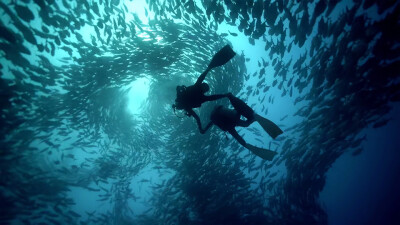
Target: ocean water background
[[89, 135]]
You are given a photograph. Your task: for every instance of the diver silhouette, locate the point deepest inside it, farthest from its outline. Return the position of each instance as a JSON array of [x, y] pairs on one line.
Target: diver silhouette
[[193, 96], [227, 119]]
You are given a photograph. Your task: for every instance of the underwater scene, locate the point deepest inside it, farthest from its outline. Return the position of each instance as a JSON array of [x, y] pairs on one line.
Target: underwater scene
[[199, 112]]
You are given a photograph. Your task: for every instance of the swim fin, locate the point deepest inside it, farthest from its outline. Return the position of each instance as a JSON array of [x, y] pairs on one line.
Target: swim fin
[[271, 128], [262, 153], [221, 57], [241, 107]]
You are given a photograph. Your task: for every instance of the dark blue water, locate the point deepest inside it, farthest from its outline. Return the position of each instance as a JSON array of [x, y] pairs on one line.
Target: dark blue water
[[363, 189], [88, 134]]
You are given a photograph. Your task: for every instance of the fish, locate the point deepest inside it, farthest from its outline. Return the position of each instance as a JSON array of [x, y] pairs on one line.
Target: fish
[[8, 35], [233, 34], [24, 13], [381, 123], [357, 151]]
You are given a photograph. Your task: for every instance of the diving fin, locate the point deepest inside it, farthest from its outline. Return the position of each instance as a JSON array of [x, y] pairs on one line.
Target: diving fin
[[271, 128], [262, 153], [221, 57]]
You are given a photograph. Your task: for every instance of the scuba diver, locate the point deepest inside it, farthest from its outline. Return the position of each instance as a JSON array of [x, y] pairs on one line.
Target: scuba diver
[[193, 96], [227, 119]]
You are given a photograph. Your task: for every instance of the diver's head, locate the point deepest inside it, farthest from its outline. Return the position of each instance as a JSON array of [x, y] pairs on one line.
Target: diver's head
[[204, 87], [180, 89]]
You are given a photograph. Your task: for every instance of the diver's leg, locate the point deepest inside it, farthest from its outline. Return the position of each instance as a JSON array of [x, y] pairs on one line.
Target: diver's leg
[[271, 128], [190, 112], [260, 152], [210, 98], [244, 123], [235, 135], [202, 76], [241, 107]]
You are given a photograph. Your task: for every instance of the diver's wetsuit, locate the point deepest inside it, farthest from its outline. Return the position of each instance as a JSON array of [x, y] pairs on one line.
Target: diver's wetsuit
[[227, 119], [242, 109], [194, 97]]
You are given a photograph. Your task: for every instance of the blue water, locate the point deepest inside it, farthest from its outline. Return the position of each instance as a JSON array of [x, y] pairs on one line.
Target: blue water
[[88, 135], [363, 189]]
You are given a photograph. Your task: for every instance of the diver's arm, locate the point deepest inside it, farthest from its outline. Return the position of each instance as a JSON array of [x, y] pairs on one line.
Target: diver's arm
[[197, 118], [202, 77]]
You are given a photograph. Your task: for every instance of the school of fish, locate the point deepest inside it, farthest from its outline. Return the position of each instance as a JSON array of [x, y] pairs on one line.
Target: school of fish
[[66, 68]]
